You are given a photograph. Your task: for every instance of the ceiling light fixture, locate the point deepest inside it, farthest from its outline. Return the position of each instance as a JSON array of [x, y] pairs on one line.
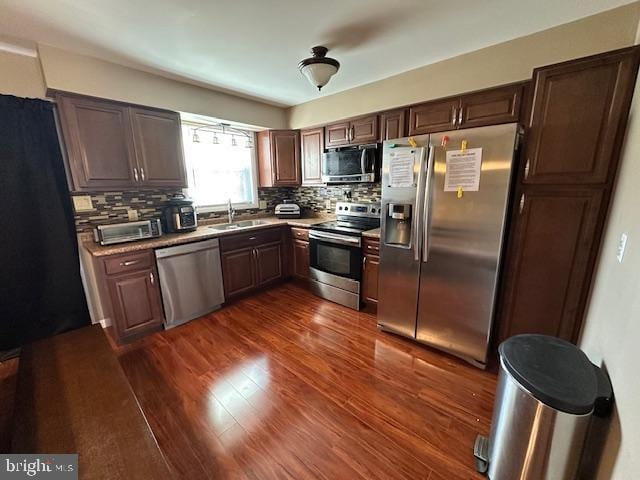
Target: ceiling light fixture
[[233, 141], [196, 138], [319, 69]]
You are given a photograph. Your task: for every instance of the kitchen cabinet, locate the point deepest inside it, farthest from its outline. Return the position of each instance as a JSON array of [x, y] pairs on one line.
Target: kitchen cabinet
[[477, 109], [111, 145], [393, 124], [357, 131], [370, 267], [300, 255], [563, 189], [252, 260], [312, 147], [157, 141], [279, 158], [133, 300]]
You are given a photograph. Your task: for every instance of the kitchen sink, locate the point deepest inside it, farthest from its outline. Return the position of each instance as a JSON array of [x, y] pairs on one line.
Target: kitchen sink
[[238, 225]]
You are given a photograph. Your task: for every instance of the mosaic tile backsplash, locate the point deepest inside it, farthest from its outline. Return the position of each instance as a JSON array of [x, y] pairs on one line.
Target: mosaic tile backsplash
[[111, 207]]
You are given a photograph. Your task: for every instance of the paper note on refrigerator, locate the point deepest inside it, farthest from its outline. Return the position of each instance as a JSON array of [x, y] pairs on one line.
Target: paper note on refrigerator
[[463, 170], [401, 168]]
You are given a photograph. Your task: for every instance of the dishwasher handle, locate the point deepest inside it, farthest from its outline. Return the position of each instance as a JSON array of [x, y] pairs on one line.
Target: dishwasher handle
[[187, 248]]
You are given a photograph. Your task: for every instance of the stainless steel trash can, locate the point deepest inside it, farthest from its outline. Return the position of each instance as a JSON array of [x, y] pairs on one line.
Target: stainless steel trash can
[[547, 392]]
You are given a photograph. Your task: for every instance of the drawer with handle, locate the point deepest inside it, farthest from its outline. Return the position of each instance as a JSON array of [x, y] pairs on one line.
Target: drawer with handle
[[128, 262], [371, 247], [300, 233], [251, 238]]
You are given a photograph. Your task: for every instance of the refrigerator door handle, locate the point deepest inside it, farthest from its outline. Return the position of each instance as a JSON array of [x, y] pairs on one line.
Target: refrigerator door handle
[[416, 227], [427, 205]]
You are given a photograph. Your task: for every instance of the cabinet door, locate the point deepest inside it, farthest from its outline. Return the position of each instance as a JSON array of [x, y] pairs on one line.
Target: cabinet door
[[491, 107], [548, 273], [370, 279], [158, 146], [364, 130], [438, 116], [238, 271], [578, 119], [99, 144], [336, 135], [312, 146], [268, 263], [285, 157], [301, 259], [136, 302], [393, 124]]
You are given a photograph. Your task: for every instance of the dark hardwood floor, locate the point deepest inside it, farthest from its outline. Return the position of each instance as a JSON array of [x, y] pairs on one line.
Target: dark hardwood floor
[[286, 385]]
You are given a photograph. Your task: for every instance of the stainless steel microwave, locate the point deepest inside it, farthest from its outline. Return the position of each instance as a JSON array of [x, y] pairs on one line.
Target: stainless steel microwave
[[351, 165]]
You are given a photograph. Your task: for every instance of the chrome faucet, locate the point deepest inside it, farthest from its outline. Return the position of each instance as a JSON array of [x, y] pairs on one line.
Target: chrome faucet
[[230, 211]]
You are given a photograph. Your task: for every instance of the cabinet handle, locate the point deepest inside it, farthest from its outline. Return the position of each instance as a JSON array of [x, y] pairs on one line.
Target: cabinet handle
[[151, 277], [135, 174], [142, 173], [521, 203], [364, 262], [351, 133], [128, 263], [252, 238], [460, 115], [526, 169], [455, 116]]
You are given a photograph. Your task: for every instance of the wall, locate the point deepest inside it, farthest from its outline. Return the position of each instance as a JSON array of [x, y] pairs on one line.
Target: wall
[[20, 75], [90, 76], [503, 63], [611, 333]]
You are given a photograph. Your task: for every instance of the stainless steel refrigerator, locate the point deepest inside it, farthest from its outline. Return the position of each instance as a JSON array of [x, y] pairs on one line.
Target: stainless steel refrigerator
[[444, 204]]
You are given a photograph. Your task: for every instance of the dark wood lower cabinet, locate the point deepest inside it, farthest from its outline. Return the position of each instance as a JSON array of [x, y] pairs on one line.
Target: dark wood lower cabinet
[[370, 267], [136, 304], [260, 261], [238, 272], [301, 259]]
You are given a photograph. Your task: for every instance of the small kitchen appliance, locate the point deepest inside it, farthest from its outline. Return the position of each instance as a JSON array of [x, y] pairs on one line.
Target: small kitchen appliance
[[179, 215], [359, 164], [127, 232], [288, 209]]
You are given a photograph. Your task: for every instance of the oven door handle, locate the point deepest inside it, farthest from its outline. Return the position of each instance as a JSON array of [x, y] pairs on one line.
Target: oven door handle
[[337, 239]]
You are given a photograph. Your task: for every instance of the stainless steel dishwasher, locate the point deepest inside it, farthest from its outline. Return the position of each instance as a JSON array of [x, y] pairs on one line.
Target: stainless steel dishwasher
[[190, 280]]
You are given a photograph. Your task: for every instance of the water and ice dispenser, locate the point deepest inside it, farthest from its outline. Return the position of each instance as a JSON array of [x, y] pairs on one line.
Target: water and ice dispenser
[[398, 225]]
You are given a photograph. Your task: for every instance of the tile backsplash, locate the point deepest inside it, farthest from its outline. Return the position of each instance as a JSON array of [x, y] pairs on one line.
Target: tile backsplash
[[111, 207]]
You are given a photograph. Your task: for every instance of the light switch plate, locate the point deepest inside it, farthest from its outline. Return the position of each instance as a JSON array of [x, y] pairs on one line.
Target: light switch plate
[[622, 244], [133, 215], [82, 203], [263, 204]]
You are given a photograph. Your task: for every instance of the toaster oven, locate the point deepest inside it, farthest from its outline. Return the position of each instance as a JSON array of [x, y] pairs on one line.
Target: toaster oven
[[127, 232]]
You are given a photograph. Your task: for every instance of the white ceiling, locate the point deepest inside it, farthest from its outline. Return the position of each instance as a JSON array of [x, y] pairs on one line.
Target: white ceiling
[[253, 46]]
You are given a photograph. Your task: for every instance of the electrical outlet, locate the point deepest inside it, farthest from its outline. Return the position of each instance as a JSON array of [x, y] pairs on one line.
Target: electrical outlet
[[263, 204], [133, 215], [82, 203], [622, 244], [327, 204]]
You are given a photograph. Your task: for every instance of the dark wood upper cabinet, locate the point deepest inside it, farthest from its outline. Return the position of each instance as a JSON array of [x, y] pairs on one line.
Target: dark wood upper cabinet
[[498, 105], [437, 116], [549, 273], [578, 119], [112, 145], [279, 158], [157, 140], [357, 131], [99, 143], [312, 146], [364, 130], [337, 135], [393, 124]]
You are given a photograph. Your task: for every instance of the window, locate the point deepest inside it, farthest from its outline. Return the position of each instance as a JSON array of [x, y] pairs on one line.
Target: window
[[221, 165]]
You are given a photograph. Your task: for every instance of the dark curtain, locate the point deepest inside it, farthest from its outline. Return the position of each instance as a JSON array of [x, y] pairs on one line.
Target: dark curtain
[[41, 292]]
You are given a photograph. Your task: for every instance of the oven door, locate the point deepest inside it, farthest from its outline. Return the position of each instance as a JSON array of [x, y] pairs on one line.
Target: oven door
[[337, 254]]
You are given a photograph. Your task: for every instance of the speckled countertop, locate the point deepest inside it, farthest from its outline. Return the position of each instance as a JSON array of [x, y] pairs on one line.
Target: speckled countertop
[[203, 232], [375, 233]]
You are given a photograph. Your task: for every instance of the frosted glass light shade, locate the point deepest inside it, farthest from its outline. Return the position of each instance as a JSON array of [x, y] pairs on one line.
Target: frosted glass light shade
[[319, 69]]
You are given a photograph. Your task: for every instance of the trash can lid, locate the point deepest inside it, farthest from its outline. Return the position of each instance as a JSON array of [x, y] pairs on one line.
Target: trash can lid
[[554, 371]]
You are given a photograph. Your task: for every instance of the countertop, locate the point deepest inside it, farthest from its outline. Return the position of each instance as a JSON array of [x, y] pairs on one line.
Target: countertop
[[203, 232], [375, 233]]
